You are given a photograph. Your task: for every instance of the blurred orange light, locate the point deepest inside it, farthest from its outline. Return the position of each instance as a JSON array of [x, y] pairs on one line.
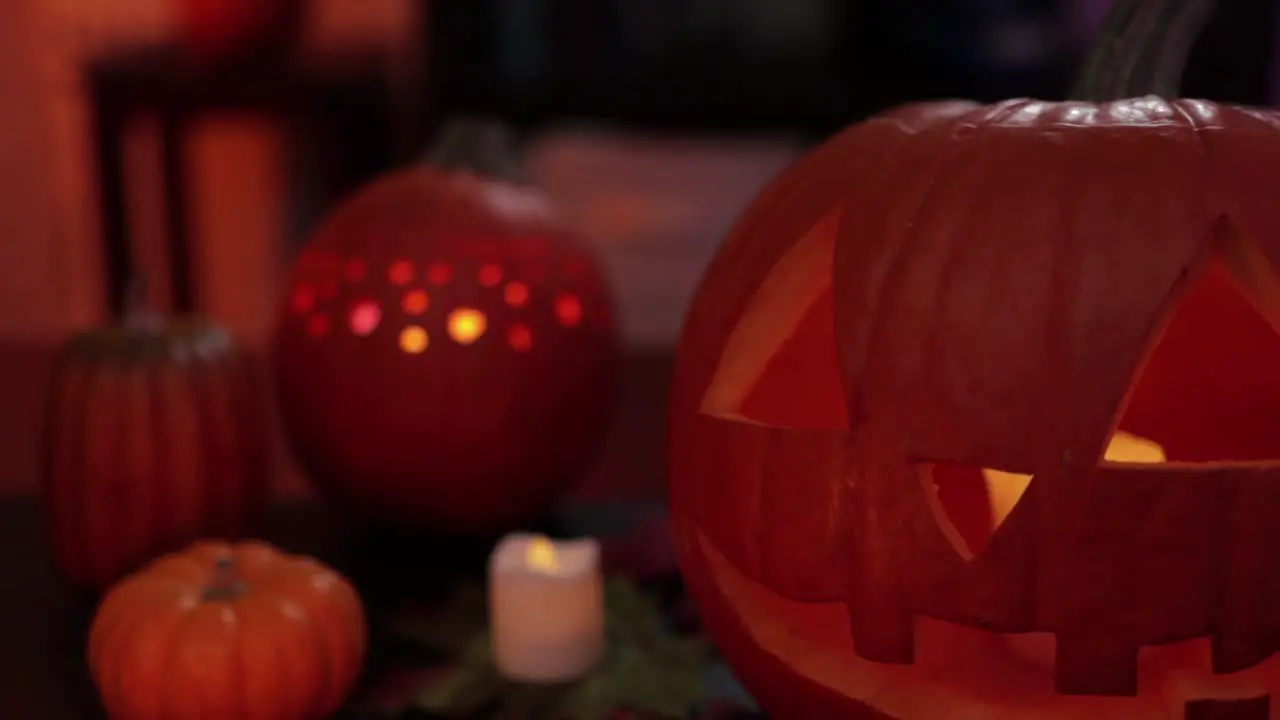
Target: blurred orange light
[[413, 339], [569, 310], [401, 272], [516, 294], [520, 338], [415, 302], [365, 317], [466, 325], [490, 275]]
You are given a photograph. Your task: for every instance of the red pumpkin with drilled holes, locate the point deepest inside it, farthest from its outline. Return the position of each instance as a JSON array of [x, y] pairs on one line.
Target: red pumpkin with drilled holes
[[446, 354], [156, 435], [225, 630], [1064, 312]]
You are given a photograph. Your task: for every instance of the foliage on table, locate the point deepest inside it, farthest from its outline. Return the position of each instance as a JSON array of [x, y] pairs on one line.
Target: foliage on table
[[646, 670]]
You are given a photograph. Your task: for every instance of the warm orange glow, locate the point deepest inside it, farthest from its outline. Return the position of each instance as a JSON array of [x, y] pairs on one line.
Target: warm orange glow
[[1006, 488], [401, 272], [520, 338], [354, 270], [439, 273], [415, 302], [365, 317], [413, 339], [304, 298], [541, 555], [466, 325], [516, 294], [490, 275], [317, 325], [569, 310]]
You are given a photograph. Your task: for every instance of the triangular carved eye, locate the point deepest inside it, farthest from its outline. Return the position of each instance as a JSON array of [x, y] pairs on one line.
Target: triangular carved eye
[[779, 367], [1207, 392]]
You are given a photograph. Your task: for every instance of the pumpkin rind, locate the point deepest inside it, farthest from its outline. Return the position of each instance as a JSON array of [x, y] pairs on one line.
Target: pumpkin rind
[[153, 439], [289, 648], [998, 278], [454, 437]]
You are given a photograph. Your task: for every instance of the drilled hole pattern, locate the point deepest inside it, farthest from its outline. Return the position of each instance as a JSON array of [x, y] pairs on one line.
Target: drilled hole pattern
[[413, 307]]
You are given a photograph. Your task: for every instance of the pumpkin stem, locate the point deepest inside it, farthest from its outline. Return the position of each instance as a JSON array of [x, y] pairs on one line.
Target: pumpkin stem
[[140, 315], [483, 146], [1142, 49], [226, 585]]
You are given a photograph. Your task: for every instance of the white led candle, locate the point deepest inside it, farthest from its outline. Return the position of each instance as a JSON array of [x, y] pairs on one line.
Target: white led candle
[[546, 608]]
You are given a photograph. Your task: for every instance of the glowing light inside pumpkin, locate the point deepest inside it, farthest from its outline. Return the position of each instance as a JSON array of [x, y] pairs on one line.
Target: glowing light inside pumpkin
[[415, 302], [516, 294], [354, 270], [365, 317], [1006, 488], [317, 325], [520, 338], [466, 325], [413, 339], [439, 273], [304, 298], [490, 275], [541, 555], [569, 310], [401, 272]]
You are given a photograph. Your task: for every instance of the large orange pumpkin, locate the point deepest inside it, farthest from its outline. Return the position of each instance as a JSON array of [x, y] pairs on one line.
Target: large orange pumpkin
[[228, 631], [446, 353], [1074, 306], [156, 435]]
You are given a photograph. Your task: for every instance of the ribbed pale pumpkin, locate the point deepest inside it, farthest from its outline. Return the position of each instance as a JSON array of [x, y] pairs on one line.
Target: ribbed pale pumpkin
[[156, 436]]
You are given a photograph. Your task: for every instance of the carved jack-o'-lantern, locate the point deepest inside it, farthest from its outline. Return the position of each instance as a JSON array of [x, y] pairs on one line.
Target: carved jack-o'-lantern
[[446, 354], [1070, 306]]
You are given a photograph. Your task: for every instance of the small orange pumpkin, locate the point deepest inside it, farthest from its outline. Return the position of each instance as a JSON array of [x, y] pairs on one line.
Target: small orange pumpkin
[[226, 630]]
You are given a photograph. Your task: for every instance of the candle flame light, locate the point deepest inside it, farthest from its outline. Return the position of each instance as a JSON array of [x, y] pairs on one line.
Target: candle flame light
[[541, 555]]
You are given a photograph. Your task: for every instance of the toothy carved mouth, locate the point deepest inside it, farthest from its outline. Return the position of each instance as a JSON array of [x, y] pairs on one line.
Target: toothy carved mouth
[[976, 674]]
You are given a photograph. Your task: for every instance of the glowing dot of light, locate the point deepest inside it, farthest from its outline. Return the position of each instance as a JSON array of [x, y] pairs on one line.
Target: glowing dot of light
[[490, 275], [516, 294], [520, 338], [439, 273], [569, 310], [466, 325], [317, 325], [413, 339], [415, 302], [354, 270], [365, 317], [304, 298], [401, 272]]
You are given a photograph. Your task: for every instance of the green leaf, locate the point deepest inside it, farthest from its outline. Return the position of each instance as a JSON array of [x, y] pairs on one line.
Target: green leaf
[[463, 692], [645, 669], [470, 687], [449, 627]]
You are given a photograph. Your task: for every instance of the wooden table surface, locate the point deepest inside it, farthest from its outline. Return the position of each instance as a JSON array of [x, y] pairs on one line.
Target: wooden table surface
[[43, 621]]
